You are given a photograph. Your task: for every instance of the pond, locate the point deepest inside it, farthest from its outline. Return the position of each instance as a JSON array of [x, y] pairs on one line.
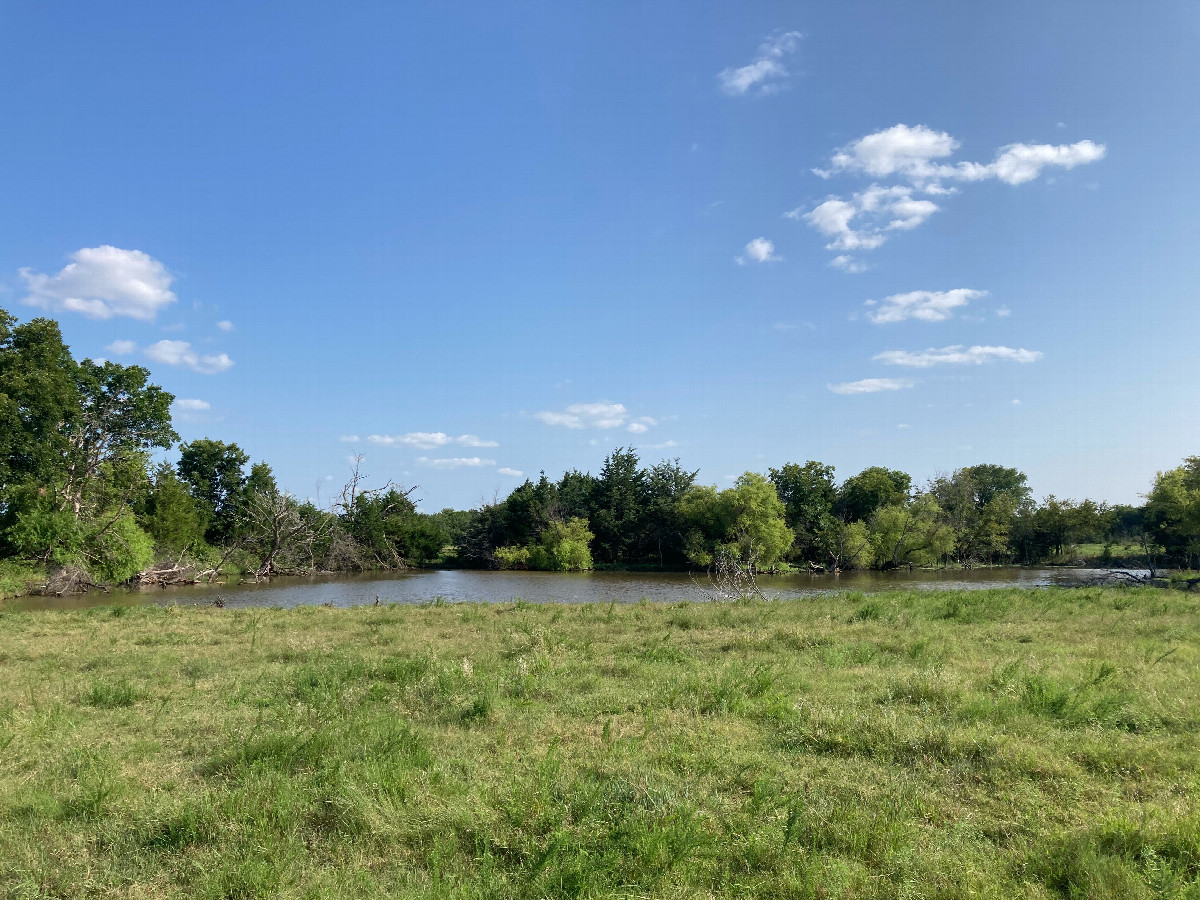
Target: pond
[[459, 585]]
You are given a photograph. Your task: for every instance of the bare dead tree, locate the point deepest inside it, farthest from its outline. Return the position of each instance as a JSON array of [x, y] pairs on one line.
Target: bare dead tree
[[731, 579], [276, 524]]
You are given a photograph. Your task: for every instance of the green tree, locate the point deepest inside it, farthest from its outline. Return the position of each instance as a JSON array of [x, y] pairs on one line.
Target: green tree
[[871, 489], [808, 493], [1172, 516], [39, 401], [619, 502], [563, 547], [215, 474], [910, 534], [171, 515], [663, 525], [759, 536]]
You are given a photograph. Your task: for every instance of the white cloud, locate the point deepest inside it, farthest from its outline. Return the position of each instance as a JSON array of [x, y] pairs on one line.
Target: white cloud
[[641, 425], [121, 348], [665, 445], [925, 306], [1016, 403], [759, 250], [915, 153], [428, 440], [862, 222], [1019, 163], [918, 156], [588, 415], [848, 264], [456, 462], [515, 473], [902, 149], [956, 355], [180, 353], [766, 74], [102, 282], [185, 405], [470, 440], [225, 325], [870, 385], [349, 438]]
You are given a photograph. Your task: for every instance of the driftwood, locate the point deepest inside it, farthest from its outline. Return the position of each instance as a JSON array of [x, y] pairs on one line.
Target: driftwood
[[70, 580], [165, 574]]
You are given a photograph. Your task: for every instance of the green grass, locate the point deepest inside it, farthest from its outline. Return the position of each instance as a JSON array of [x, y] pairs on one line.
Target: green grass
[[1039, 744]]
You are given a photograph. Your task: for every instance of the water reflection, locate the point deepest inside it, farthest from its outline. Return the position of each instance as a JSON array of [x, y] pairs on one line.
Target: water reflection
[[544, 587]]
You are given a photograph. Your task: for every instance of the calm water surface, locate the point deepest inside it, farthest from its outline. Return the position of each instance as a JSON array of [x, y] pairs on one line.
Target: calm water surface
[[456, 585]]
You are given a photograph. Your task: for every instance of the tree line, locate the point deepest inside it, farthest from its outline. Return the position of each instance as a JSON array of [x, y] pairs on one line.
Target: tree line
[[80, 487]]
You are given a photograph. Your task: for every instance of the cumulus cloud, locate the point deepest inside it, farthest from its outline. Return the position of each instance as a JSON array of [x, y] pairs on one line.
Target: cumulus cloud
[[591, 415], [902, 149], [180, 353], [456, 462], [766, 74], [925, 306], [918, 156], [186, 405], [505, 470], [870, 385], [915, 153], [102, 282], [428, 440], [1019, 163], [225, 325], [121, 348], [641, 425], [759, 250], [956, 355], [863, 221]]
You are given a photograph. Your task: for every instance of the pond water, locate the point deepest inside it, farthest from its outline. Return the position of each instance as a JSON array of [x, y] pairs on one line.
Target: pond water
[[458, 585]]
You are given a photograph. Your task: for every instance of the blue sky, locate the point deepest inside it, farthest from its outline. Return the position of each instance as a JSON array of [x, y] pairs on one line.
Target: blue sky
[[483, 239]]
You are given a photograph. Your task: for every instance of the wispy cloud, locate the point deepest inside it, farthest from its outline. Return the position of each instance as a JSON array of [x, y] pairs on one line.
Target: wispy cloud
[[505, 470], [121, 348], [766, 74], [924, 306], [956, 355], [428, 440], [349, 438], [871, 385], [225, 325], [180, 353], [601, 415], [456, 462], [848, 264], [192, 406], [759, 250], [103, 282]]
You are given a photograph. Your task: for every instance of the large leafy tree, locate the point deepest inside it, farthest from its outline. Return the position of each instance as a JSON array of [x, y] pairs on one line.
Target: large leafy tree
[[215, 473], [119, 413], [39, 403], [808, 493], [1172, 517], [871, 489]]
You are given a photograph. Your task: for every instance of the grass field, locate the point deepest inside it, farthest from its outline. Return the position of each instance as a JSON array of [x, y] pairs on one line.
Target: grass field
[[986, 744]]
